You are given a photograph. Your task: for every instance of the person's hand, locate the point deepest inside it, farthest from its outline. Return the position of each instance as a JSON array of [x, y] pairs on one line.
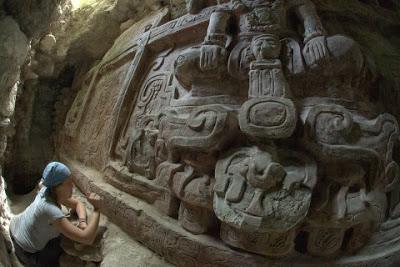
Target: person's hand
[[211, 56], [82, 225], [315, 51], [94, 199]]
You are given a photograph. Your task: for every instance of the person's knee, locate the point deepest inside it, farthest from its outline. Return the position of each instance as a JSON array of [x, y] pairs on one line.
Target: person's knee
[[345, 51], [186, 66]]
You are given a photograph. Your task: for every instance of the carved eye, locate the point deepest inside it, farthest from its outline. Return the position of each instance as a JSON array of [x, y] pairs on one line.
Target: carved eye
[[272, 43], [180, 60]]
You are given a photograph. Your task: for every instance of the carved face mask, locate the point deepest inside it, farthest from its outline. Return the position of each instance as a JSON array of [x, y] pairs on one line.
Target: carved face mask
[[266, 47]]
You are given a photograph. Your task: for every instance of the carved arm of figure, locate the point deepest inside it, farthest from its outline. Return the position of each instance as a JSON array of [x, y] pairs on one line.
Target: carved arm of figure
[[213, 52], [315, 48]]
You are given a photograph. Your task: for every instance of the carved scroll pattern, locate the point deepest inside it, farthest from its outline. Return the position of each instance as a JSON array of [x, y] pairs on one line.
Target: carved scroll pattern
[[254, 193], [206, 128], [333, 133]]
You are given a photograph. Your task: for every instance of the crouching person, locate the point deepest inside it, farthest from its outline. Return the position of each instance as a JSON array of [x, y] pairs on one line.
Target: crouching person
[[35, 232]]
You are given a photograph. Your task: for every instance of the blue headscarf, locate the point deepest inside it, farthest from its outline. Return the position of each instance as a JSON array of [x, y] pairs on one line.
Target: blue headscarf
[[54, 174]]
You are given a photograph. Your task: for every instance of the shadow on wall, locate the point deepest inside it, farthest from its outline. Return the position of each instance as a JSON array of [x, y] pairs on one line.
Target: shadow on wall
[[33, 145]]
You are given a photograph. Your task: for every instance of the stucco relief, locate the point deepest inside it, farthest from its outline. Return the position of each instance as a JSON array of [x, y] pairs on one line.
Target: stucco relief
[[252, 128]]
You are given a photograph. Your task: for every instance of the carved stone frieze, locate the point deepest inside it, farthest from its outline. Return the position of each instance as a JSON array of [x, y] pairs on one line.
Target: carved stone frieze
[[244, 120]]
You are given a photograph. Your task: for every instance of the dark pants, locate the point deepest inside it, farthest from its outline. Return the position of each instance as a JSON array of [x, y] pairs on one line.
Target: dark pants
[[47, 257]]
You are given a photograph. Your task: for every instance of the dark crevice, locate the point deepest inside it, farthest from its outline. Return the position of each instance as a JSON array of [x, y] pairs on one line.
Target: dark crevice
[[301, 242], [32, 151]]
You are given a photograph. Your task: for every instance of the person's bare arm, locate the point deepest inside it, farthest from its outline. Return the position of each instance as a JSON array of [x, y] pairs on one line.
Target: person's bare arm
[[80, 210], [85, 236]]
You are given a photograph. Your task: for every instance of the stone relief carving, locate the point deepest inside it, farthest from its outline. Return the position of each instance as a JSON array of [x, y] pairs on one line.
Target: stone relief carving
[[233, 90], [262, 196], [257, 131], [140, 157]]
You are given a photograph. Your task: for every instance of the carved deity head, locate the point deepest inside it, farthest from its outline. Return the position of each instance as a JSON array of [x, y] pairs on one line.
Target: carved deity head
[[266, 46]]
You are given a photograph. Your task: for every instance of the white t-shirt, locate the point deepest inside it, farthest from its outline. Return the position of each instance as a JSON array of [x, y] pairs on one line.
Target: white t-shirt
[[33, 228]]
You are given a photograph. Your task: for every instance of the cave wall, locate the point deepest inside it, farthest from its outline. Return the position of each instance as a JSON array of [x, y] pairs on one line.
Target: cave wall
[[20, 23], [5, 246]]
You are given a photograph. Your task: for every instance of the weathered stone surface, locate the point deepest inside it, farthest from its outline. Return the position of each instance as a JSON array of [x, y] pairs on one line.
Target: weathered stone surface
[[71, 261], [2, 7], [32, 146], [47, 43], [5, 216], [245, 122], [9, 97], [43, 65], [118, 249], [93, 28], [4, 257], [13, 51], [35, 17]]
